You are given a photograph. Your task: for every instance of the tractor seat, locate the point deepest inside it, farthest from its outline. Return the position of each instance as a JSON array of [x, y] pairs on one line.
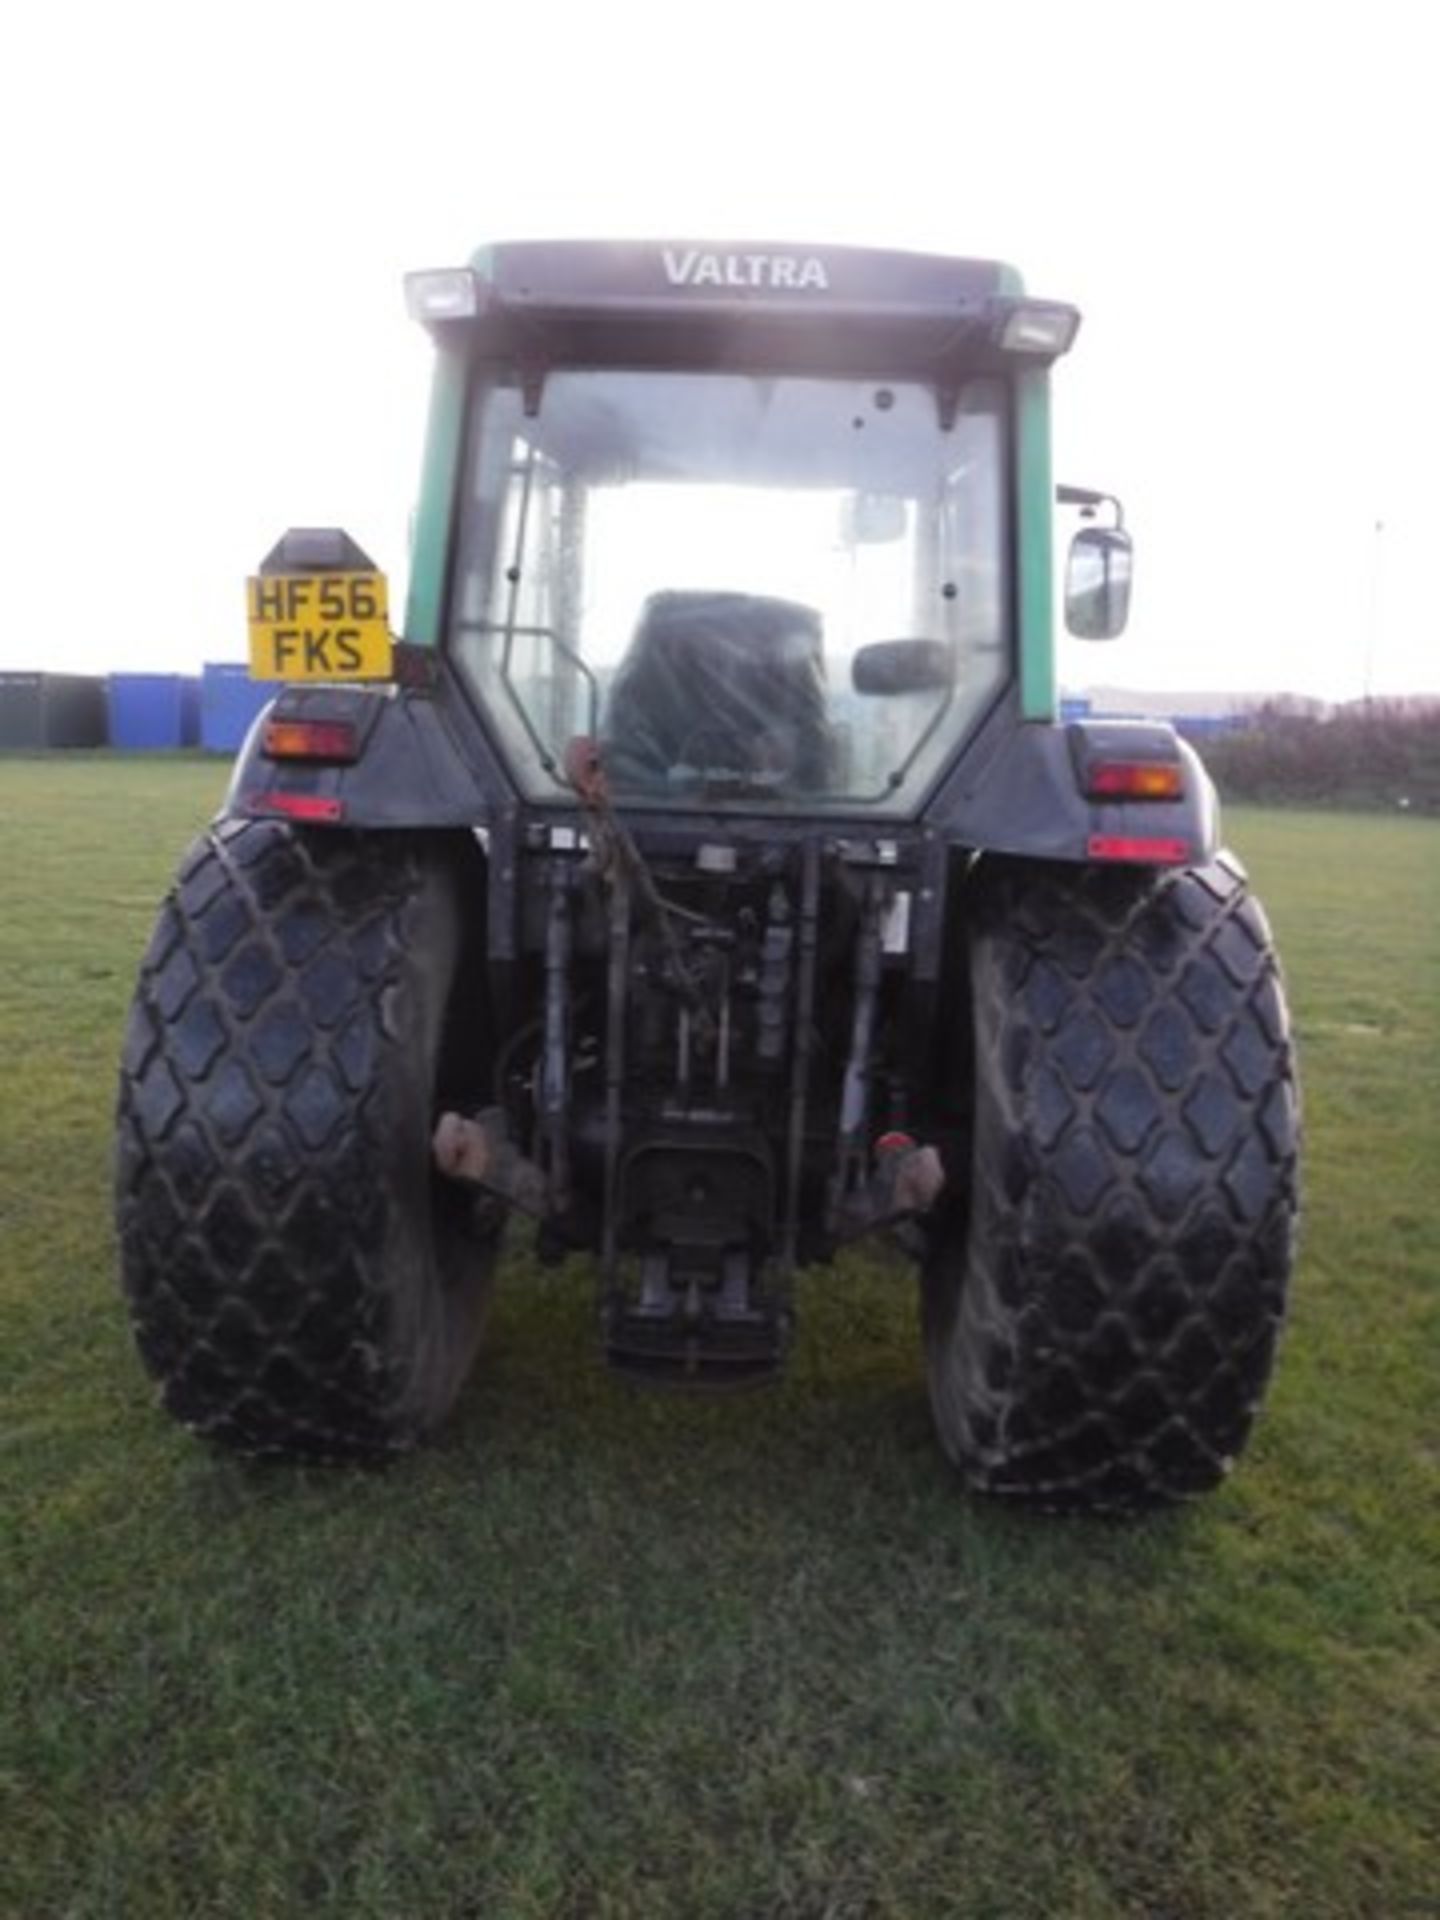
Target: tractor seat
[[719, 689]]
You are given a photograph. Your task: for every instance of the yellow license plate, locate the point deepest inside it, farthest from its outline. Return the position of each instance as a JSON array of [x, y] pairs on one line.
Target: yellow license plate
[[318, 626]]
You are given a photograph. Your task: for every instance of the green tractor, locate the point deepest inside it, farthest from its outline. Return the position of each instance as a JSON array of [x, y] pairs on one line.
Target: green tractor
[[706, 877]]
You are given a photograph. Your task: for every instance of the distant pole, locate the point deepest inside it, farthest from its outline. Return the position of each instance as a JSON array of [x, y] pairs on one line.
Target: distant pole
[[1372, 634]]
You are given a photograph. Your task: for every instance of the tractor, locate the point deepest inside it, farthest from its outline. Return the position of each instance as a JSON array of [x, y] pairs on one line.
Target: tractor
[[705, 879]]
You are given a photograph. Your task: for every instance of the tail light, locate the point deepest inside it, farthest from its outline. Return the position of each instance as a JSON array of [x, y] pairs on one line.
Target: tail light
[[1134, 780], [332, 740]]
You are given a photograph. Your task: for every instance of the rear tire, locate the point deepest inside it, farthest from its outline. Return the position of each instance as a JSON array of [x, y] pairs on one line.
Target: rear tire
[[1102, 1307], [300, 1281]]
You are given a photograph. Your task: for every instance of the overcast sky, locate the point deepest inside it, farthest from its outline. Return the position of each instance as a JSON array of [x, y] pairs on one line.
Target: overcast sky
[[207, 211]]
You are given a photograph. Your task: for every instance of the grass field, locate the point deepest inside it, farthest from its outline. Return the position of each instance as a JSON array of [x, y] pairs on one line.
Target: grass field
[[600, 1654]]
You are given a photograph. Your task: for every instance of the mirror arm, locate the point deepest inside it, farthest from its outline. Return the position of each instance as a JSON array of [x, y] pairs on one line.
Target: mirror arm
[[1088, 500]]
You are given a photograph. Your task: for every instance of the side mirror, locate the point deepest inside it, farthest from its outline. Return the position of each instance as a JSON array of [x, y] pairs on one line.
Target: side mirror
[[902, 666], [1097, 583]]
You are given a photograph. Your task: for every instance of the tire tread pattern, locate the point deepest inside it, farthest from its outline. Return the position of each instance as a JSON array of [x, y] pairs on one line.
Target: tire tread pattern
[[1102, 1324], [265, 1205]]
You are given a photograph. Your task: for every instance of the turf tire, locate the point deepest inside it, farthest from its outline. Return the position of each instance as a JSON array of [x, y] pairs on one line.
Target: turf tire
[[300, 1282], [1102, 1306]]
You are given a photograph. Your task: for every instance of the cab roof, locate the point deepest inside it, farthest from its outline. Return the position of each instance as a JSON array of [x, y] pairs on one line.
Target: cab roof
[[539, 303], [592, 275]]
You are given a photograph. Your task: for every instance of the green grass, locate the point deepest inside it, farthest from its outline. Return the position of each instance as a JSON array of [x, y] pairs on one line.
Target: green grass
[[603, 1654]]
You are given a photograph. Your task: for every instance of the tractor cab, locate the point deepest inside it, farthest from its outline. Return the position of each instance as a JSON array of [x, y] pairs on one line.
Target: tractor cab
[[748, 519]]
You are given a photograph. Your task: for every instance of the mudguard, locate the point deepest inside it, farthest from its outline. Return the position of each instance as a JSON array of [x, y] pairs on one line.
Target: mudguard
[[1019, 790], [420, 763]]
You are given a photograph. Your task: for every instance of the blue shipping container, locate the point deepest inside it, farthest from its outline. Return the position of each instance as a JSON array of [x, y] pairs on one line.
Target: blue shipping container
[[153, 710], [229, 702]]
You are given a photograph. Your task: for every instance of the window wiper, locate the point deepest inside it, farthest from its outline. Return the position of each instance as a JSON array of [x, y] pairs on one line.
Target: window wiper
[[513, 571]]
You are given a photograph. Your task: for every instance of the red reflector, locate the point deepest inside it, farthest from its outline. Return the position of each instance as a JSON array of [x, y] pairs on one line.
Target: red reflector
[[298, 806], [1133, 780], [1158, 852], [309, 740]]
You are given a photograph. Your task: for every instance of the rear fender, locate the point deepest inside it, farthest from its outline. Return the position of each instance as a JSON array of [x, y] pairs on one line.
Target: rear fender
[[411, 768], [1022, 793]]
